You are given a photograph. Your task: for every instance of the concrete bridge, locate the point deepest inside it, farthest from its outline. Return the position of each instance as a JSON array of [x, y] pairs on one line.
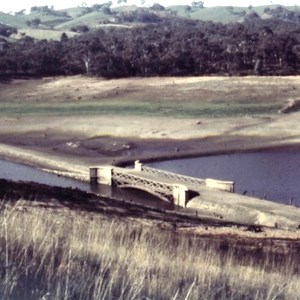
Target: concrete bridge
[[171, 187]]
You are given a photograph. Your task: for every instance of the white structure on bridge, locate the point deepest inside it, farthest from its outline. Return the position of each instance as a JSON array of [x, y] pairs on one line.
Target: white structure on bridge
[[175, 188]]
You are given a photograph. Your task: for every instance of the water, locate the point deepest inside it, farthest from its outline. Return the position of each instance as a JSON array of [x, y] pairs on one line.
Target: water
[[19, 172], [272, 175]]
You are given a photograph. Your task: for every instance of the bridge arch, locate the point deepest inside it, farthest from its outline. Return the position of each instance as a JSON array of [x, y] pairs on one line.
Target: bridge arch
[[162, 197]]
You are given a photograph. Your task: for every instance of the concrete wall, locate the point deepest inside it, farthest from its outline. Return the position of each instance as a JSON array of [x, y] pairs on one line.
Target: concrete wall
[[138, 166], [180, 194], [101, 175], [220, 185]]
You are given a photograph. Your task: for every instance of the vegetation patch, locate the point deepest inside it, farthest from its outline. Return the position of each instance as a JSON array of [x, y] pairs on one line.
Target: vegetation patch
[[140, 108], [60, 255]]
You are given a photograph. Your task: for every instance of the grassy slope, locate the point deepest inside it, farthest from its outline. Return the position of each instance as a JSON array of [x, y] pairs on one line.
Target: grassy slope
[[47, 19], [123, 97], [217, 14], [74, 12], [67, 255], [78, 16], [91, 19], [14, 21]]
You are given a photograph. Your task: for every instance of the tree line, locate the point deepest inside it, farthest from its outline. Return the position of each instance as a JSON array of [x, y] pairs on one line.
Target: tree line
[[172, 47]]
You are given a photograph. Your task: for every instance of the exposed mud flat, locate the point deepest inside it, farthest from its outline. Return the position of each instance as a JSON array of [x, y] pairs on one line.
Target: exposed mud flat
[[46, 136]]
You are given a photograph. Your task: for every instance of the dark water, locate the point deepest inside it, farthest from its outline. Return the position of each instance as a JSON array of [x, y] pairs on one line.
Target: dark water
[[273, 175], [19, 172]]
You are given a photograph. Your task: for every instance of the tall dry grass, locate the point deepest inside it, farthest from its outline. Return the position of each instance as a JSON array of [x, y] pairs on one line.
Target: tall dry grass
[[47, 255]]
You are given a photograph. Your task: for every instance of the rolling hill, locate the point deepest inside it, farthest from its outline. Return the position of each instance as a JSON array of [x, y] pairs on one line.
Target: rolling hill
[[44, 22]]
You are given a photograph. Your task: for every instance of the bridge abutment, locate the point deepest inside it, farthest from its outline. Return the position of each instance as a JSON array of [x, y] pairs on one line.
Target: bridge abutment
[[101, 175], [227, 186]]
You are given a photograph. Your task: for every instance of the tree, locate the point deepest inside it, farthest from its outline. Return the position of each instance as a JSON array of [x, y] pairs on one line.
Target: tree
[[80, 28], [106, 8], [96, 7], [199, 4], [33, 23], [20, 13], [6, 30], [64, 37], [157, 7]]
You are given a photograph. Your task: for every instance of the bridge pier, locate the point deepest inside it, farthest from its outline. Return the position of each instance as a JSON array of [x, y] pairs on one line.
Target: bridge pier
[[180, 194], [138, 166], [101, 175]]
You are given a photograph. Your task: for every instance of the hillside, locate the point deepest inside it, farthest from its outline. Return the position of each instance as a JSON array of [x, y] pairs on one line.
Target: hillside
[[47, 18], [11, 20], [152, 42]]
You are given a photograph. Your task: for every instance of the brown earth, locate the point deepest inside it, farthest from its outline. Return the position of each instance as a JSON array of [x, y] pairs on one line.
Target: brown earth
[[87, 139], [70, 143]]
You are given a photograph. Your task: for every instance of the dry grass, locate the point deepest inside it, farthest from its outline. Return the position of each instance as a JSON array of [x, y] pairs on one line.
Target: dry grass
[[60, 255]]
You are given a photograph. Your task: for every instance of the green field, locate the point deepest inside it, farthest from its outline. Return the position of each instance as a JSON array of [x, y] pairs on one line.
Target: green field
[[141, 108]]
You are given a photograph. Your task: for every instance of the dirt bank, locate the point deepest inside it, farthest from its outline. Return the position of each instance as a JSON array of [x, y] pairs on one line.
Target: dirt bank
[[68, 123], [61, 200]]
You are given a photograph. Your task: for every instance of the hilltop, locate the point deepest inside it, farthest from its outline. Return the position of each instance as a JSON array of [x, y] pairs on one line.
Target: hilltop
[[43, 19]]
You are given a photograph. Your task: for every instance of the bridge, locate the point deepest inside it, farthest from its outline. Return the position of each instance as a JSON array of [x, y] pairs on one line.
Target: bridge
[[175, 188]]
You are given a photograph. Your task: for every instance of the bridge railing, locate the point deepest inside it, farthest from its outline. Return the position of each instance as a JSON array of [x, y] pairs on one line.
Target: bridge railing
[[123, 179], [174, 177]]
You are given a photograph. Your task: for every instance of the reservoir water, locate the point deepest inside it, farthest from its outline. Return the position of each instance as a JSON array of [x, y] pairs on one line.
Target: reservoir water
[[19, 172], [272, 175]]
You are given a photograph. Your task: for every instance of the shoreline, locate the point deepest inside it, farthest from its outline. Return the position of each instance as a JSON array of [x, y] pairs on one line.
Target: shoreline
[[201, 226], [210, 203], [87, 121], [60, 162]]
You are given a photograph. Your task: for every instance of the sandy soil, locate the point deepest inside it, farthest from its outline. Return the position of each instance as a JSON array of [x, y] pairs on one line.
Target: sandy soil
[[69, 144], [110, 138]]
